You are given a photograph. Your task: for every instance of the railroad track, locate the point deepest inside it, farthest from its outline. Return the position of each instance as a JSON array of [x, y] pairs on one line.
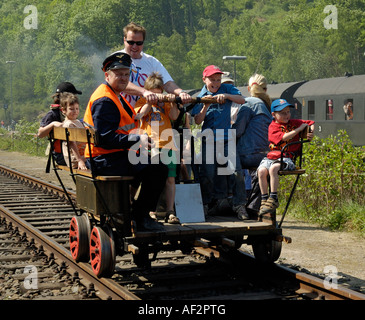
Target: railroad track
[[39, 213], [26, 272]]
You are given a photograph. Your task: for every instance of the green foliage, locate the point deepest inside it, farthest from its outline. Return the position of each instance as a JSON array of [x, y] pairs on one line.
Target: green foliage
[[332, 190], [285, 40], [23, 139]]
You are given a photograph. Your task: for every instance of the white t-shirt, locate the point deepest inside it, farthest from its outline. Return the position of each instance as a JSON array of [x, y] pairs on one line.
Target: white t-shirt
[[141, 69]]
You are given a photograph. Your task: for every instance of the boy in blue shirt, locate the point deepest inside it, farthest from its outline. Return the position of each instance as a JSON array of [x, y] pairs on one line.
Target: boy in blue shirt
[[215, 116]]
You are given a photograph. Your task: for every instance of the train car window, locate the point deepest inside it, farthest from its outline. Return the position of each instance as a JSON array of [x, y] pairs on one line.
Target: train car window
[[348, 109], [311, 110], [329, 109], [297, 112]]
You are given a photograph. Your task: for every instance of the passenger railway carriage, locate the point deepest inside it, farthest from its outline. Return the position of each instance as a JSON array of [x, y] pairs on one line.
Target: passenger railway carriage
[[322, 100]]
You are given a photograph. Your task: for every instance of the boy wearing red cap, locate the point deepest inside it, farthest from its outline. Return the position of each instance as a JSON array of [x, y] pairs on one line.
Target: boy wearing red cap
[[212, 77], [215, 116]]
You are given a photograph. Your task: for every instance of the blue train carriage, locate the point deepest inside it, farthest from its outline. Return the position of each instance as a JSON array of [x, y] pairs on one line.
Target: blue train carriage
[[323, 101]]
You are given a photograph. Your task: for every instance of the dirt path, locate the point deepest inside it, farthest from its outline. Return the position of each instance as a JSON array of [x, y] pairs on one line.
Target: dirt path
[[312, 249], [318, 250]]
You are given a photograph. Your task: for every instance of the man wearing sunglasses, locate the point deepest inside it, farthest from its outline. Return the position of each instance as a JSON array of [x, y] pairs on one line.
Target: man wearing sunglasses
[[144, 65]]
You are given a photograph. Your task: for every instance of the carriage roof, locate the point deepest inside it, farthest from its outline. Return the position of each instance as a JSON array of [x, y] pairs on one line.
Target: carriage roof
[[332, 86]]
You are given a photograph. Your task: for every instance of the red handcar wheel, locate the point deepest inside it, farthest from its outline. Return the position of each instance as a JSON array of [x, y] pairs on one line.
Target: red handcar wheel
[[100, 252], [79, 238]]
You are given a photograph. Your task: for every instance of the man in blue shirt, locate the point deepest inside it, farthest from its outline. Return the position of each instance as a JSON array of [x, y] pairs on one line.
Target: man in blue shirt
[[216, 118]]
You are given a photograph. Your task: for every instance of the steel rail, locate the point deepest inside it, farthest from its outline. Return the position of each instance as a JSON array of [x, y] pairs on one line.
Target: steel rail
[[307, 285], [107, 288], [313, 287], [316, 288], [27, 178]]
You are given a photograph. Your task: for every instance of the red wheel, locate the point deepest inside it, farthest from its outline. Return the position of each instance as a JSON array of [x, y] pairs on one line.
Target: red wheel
[[79, 238], [100, 252]]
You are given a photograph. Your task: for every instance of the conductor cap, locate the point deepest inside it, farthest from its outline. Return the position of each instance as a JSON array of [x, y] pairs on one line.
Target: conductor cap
[[117, 60]]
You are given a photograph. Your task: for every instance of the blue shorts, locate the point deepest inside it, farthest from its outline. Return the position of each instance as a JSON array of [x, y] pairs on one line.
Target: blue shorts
[[267, 163]]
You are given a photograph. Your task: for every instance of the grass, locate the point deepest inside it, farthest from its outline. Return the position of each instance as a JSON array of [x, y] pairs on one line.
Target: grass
[[349, 216]]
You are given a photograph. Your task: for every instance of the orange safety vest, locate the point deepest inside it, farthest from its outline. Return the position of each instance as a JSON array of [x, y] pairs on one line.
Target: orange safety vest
[[126, 123]]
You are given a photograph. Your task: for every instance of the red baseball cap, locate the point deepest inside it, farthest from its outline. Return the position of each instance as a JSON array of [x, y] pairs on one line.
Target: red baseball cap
[[210, 70]]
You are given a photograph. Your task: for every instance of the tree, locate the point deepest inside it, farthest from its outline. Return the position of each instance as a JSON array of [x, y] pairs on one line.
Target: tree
[[286, 40]]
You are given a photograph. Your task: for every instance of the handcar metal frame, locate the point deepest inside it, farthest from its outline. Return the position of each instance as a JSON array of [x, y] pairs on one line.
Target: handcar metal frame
[[103, 221]]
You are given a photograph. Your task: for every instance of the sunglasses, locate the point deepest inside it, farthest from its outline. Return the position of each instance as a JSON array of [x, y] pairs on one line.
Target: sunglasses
[[131, 42]]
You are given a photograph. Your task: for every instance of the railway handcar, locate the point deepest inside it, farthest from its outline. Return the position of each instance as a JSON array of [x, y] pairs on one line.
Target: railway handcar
[[103, 227]]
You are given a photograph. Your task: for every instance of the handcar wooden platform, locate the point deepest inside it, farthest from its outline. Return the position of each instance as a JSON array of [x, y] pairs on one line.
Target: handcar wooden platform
[[215, 226]]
